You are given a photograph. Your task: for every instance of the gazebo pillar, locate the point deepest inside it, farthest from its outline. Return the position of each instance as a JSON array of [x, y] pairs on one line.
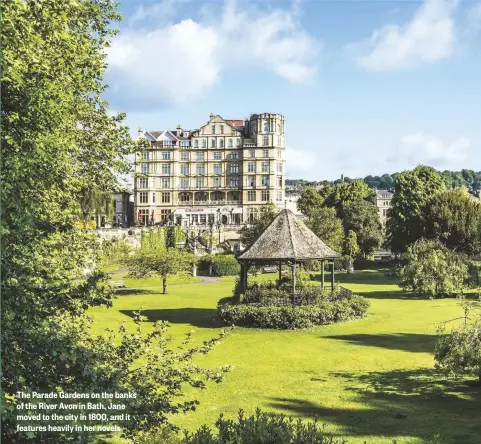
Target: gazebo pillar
[[332, 276], [322, 273], [280, 274], [293, 266], [245, 269]]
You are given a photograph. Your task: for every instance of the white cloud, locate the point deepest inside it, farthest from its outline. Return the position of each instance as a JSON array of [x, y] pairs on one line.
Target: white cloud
[[427, 38], [474, 17], [175, 62], [421, 148], [301, 163]]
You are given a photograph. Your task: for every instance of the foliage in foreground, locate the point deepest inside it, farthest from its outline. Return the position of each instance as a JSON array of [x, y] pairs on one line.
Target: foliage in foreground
[[433, 270], [222, 264], [260, 428], [458, 352]]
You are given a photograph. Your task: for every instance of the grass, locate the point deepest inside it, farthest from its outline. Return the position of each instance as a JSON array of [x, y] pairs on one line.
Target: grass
[[369, 380]]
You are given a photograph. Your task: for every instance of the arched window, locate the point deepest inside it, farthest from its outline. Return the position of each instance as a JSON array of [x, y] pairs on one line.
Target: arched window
[[196, 143], [213, 143], [230, 143], [266, 127], [221, 143], [266, 140], [204, 143]]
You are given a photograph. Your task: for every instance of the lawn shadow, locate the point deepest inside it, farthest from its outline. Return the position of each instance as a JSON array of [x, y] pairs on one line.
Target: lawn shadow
[[400, 403], [197, 317], [411, 342]]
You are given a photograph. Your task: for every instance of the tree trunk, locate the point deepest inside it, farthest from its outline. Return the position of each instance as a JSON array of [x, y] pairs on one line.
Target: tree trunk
[[164, 285]]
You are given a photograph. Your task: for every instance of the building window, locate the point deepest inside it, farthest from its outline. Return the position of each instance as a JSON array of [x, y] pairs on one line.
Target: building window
[[165, 182], [153, 197], [145, 155], [251, 167], [143, 182], [278, 140], [185, 143], [184, 156], [278, 128], [221, 143], [204, 143], [238, 143], [265, 167], [165, 168], [234, 168], [200, 155], [167, 143], [184, 197], [265, 195], [234, 155], [279, 167], [252, 215], [212, 143], [213, 129], [222, 129], [265, 153], [184, 183], [252, 153], [217, 155], [279, 181], [196, 143], [251, 196], [251, 181], [384, 212], [165, 197], [143, 197], [266, 127], [265, 140], [234, 181], [200, 169], [230, 144], [202, 219], [217, 168], [165, 155], [265, 181], [279, 154], [144, 217], [279, 196], [218, 196], [235, 196], [216, 182], [144, 168], [184, 169], [199, 182]]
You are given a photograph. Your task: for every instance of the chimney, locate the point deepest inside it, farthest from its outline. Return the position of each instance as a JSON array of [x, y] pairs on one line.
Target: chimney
[[211, 116], [179, 130]]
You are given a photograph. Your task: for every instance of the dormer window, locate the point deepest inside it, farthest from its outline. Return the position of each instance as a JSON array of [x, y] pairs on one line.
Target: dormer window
[[213, 129]]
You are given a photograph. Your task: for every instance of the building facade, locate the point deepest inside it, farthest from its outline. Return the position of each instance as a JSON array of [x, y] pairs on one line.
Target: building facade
[[221, 173], [383, 202], [123, 208]]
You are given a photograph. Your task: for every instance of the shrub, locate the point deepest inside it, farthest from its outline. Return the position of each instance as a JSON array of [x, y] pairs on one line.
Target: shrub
[[262, 428], [292, 317], [433, 270], [458, 352], [342, 263], [225, 265]]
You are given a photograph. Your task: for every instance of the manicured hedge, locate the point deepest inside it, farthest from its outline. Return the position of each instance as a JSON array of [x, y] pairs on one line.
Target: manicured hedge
[[292, 317], [222, 264]]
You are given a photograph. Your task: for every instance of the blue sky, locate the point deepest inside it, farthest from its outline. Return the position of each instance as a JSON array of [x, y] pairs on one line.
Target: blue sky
[[366, 87]]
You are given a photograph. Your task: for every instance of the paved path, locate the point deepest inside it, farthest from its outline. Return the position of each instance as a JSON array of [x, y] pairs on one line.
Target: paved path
[[205, 280]]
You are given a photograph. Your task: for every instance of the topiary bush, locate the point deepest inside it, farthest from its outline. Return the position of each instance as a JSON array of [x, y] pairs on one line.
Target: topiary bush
[[292, 317]]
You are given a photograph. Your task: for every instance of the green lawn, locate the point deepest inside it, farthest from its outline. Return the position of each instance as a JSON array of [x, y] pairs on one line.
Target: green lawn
[[368, 380]]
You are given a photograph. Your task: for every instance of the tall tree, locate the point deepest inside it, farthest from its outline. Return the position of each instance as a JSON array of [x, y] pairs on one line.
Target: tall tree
[[309, 200], [412, 190], [342, 194], [362, 217], [57, 140], [454, 218], [250, 233], [327, 226]]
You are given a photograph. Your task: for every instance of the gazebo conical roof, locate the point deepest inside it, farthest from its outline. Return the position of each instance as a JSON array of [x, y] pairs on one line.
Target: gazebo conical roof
[[287, 239]]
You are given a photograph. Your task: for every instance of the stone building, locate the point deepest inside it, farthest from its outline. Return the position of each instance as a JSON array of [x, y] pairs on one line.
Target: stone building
[[383, 200], [221, 173]]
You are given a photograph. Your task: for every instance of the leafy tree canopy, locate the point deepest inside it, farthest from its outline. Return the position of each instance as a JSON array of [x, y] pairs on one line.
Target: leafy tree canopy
[[250, 233], [327, 226]]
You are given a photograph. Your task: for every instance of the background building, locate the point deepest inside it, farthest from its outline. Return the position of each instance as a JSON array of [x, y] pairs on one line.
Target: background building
[[221, 173], [383, 202]]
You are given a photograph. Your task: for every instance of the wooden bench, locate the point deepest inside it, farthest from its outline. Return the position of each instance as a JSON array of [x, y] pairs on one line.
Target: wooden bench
[[273, 269], [117, 284]]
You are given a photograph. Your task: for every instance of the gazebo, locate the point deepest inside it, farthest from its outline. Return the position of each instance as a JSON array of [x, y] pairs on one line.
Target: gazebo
[[287, 240]]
